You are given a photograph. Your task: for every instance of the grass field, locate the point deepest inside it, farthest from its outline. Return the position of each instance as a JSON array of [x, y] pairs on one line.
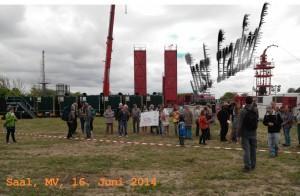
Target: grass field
[[178, 171]]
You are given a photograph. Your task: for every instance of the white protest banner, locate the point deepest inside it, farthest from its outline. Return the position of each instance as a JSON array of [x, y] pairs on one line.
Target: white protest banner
[[149, 119]]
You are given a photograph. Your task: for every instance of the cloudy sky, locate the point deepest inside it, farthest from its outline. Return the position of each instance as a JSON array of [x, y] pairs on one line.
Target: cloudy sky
[[74, 38]]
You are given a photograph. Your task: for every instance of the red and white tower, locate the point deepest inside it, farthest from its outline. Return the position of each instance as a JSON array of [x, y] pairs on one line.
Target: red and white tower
[[263, 75]]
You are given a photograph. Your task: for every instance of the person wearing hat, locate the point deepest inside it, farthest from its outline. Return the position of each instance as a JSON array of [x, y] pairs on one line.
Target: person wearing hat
[[10, 124]]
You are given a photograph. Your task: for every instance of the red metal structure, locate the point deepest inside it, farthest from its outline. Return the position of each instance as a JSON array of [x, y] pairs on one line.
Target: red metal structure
[[170, 77], [140, 71], [108, 51], [263, 75]]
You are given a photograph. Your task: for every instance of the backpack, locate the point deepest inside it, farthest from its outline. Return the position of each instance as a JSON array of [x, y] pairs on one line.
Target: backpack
[[65, 113], [250, 121]]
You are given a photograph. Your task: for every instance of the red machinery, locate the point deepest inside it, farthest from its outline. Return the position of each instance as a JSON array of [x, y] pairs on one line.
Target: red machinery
[[140, 71], [263, 75], [170, 77], [108, 51]]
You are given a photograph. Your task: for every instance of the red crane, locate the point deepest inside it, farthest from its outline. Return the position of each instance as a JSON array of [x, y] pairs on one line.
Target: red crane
[[108, 51]]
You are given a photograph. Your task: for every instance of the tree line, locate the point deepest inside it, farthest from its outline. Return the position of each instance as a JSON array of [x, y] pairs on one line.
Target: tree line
[[15, 87]]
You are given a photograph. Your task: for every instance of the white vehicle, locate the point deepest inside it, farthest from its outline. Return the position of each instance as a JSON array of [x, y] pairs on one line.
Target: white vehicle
[[290, 99]]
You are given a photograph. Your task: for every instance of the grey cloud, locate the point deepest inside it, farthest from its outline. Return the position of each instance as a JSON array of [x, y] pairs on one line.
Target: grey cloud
[[10, 18], [76, 57]]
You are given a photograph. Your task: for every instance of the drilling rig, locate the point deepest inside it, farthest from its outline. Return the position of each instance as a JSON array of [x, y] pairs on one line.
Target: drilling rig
[[109, 42], [263, 74]]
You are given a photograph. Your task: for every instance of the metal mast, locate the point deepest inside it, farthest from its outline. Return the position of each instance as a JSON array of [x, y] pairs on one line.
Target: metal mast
[[108, 51], [43, 74]]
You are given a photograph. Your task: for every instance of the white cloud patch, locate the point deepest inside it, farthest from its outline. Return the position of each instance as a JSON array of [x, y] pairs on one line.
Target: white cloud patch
[[74, 38]]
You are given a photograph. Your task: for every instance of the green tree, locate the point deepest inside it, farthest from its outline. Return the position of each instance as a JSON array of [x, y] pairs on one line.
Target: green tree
[[76, 94], [228, 96], [4, 91], [37, 92], [15, 92], [297, 90], [291, 90]]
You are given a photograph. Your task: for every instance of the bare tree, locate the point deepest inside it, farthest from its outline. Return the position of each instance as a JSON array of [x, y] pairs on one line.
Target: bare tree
[[4, 82]]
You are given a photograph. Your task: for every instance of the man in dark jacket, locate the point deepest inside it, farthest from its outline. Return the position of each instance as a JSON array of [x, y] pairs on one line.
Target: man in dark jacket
[[247, 130], [223, 117], [124, 117], [136, 115], [273, 121], [118, 117], [70, 123]]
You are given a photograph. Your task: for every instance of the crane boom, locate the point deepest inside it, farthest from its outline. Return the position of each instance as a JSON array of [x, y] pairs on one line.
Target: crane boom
[[108, 51]]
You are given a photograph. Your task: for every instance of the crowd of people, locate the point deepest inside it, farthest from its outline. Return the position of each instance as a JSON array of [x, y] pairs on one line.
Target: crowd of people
[[243, 121], [85, 112]]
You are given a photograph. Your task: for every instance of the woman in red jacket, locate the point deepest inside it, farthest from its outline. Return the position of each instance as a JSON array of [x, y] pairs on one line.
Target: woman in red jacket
[[204, 124]]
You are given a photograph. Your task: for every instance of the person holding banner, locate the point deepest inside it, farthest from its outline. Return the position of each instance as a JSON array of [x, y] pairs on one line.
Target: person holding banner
[[151, 109], [144, 128], [149, 119]]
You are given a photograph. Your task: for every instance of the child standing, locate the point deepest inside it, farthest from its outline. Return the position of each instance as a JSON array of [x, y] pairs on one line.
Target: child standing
[[10, 124], [203, 126], [181, 130]]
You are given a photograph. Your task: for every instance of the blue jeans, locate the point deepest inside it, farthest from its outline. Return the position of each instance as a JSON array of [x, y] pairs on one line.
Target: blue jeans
[[188, 132], [287, 136], [273, 141], [82, 124], [87, 128], [123, 130], [249, 145]]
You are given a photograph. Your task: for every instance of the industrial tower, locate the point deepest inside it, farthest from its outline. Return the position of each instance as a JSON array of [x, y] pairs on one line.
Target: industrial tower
[[43, 74], [263, 75]]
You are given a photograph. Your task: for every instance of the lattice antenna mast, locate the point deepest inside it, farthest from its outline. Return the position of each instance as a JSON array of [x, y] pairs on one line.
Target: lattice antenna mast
[[43, 74]]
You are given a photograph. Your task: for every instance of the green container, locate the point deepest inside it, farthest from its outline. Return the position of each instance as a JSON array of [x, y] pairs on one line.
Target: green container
[[113, 101], [68, 101], [155, 100], [94, 101], [134, 99], [45, 104]]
